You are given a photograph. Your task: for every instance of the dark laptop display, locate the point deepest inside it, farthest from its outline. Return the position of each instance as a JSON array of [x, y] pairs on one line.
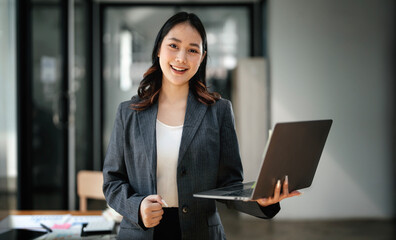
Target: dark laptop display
[[293, 149]]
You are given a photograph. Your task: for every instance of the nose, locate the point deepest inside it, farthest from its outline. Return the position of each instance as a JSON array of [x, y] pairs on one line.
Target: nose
[[181, 56]]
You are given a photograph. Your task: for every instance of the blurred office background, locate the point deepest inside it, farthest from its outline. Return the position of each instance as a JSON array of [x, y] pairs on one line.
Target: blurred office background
[[65, 66]]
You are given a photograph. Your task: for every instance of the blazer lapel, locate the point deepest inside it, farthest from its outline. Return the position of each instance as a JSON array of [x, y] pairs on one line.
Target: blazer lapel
[[194, 114], [147, 125]]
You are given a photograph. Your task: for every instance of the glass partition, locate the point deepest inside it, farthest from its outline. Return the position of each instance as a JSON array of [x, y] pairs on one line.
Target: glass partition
[[49, 152], [8, 132], [54, 101]]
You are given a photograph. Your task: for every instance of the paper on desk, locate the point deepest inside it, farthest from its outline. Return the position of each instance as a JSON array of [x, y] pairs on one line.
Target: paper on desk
[[33, 221], [64, 235], [73, 232], [85, 219]]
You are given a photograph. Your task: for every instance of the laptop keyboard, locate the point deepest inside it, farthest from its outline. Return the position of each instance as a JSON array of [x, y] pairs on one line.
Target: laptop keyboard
[[240, 193]]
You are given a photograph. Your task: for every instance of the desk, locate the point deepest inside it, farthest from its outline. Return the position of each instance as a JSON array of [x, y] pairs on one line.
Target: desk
[[54, 212], [4, 214], [88, 214]]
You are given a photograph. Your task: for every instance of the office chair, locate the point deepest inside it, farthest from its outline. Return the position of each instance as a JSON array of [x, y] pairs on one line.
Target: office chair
[[89, 185]]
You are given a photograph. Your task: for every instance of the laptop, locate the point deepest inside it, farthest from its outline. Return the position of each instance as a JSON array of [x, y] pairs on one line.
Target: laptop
[[19, 234], [293, 149]]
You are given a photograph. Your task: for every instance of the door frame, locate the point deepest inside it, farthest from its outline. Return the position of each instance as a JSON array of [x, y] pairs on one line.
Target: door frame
[[25, 105]]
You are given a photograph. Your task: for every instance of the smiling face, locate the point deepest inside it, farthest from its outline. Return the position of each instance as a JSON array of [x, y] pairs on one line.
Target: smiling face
[[180, 54]]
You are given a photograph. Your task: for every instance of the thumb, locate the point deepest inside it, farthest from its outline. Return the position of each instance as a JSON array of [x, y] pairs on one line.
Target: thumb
[[155, 198]]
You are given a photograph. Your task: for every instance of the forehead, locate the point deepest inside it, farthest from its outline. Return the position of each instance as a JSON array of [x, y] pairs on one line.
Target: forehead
[[185, 33]]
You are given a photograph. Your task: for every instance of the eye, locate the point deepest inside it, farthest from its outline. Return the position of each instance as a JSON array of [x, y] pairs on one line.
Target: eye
[[194, 51], [172, 45]]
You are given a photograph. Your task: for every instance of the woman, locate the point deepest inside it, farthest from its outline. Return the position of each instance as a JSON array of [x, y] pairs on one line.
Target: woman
[[175, 139]]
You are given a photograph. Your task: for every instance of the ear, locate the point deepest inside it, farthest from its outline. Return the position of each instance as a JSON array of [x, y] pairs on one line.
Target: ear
[[203, 57], [158, 52]]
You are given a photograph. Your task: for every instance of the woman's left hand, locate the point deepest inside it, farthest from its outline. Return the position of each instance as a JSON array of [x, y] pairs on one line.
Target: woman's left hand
[[264, 202]]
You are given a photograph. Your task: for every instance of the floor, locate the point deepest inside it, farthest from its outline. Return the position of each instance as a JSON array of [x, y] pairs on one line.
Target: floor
[[305, 230], [238, 227]]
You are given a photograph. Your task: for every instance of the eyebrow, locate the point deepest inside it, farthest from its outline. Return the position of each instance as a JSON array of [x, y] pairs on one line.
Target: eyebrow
[[178, 40]]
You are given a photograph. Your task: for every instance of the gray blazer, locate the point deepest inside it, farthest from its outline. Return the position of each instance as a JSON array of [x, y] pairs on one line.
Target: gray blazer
[[208, 158]]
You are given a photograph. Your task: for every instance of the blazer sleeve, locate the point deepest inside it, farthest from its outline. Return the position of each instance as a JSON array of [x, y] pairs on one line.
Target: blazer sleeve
[[231, 171], [116, 188]]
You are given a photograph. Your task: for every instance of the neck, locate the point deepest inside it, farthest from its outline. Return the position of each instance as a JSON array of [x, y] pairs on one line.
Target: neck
[[173, 94]]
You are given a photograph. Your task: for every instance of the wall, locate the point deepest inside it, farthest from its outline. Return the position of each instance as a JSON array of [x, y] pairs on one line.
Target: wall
[[7, 92], [334, 59], [250, 91]]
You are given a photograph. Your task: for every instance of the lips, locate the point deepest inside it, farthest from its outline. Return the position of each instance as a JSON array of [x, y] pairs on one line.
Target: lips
[[179, 69]]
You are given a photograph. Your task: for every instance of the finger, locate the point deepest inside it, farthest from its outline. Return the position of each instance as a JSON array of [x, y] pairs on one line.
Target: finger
[[148, 217], [152, 220], [156, 218], [295, 193], [149, 208], [262, 201], [155, 207], [157, 213], [155, 224], [286, 186], [151, 203], [154, 198], [161, 201], [164, 203], [292, 194], [158, 199], [277, 190], [151, 224]]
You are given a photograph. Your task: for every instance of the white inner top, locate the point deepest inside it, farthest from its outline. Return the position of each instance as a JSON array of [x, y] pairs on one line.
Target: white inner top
[[168, 144]]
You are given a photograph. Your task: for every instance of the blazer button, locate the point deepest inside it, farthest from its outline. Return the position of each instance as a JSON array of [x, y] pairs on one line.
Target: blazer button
[[185, 209]]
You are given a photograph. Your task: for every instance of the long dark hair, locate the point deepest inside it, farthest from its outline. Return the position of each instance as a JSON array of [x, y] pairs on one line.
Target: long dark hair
[[150, 86]]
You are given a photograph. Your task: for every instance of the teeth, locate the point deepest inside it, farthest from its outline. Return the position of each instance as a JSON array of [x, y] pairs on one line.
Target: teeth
[[179, 69]]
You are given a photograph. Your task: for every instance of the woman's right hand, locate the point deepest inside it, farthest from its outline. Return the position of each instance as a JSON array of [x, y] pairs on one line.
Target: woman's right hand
[[151, 210]]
